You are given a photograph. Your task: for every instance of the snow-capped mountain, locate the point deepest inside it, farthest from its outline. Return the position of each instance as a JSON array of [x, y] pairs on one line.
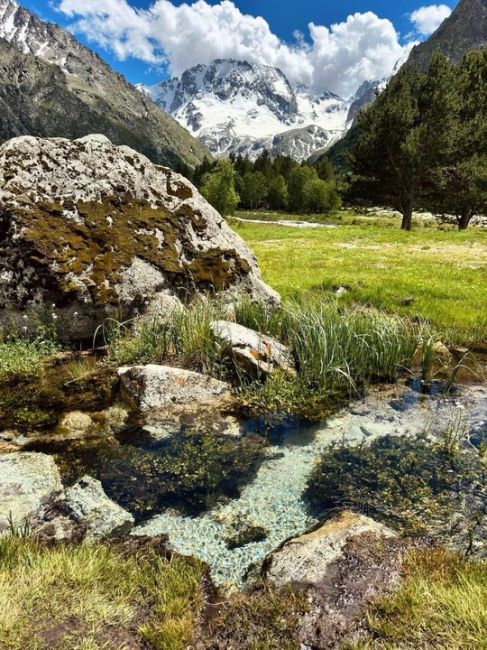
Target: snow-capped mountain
[[236, 106]]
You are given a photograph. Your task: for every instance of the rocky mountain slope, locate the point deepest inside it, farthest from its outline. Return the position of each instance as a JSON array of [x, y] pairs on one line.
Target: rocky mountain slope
[[236, 106], [98, 230], [51, 85], [464, 30]]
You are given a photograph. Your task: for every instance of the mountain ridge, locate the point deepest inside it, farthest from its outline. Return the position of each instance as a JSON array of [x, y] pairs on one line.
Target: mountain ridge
[[112, 105], [235, 106]]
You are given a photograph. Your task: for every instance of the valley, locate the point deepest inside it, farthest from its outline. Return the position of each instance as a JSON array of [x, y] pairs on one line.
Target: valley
[[243, 326]]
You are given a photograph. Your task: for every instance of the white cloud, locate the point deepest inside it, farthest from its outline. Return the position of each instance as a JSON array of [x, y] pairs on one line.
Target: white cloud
[[338, 58], [427, 19]]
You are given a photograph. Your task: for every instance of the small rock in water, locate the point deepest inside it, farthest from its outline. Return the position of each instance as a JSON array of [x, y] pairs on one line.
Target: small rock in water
[[90, 506]]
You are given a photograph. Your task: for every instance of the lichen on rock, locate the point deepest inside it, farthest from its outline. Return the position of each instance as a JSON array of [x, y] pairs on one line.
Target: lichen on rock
[[98, 230]]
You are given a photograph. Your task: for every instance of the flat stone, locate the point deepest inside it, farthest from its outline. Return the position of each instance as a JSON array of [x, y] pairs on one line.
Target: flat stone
[[159, 387], [90, 506], [26, 480], [306, 559]]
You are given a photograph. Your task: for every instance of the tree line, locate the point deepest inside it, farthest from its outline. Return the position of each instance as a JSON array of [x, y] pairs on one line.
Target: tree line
[[423, 142], [277, 184]]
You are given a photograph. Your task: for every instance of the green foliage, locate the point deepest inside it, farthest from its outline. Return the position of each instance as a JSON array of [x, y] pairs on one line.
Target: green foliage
[[252, 189], [218, 188], [278, 184], [277, 194], [412, 483], [320, 197], [296, 186], [24, 357], [190, 471], [423, 141]]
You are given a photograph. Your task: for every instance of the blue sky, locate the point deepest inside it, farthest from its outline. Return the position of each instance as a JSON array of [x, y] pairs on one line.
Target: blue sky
[[148, 42]]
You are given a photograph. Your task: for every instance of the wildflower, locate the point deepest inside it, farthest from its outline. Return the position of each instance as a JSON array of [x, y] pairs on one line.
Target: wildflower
[[53, 305], [25, 317], [54, 316]]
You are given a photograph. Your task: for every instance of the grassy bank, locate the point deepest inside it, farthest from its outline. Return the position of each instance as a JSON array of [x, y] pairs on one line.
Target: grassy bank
[[441, 605], [93, 597], [432, 273]]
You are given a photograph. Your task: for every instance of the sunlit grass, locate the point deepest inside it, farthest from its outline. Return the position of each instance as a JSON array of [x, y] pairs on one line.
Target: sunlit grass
[[24, 358], [77, 596], [431, 273], [441, 605]]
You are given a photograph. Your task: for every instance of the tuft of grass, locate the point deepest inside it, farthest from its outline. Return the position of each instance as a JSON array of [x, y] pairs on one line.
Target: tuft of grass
[[338, 352], [183, 336], [24, 358], [81, 596], [441, 605], [265, 618]]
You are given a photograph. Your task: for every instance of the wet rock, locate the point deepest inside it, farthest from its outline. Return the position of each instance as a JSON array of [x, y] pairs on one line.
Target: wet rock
[[90, 506], [306, 559], [253, 352], [160, 387], [26, 480], [245, 535], [99, 231], [116, 418], [75, 424]]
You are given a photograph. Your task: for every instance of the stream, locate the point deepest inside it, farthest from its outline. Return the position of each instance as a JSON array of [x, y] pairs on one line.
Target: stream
[[275, 502]]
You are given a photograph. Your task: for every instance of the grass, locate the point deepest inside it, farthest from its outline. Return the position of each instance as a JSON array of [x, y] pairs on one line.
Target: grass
[[24, 358], [337, 352], [431, 273], [84, 596], [441, 605]]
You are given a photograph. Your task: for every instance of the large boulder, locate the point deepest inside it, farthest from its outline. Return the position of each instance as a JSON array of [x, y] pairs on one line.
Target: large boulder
[[163, 387], [26, 480], [90, 230], [305, 560]]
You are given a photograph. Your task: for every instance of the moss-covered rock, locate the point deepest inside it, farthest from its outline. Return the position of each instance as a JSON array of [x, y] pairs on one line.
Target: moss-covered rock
[[98, 230]]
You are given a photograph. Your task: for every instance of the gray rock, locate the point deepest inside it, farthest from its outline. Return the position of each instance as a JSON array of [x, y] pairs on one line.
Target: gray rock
[[111, 234], [162, 387], [26, 480], [306, 559], [90, 506], [254, 353]]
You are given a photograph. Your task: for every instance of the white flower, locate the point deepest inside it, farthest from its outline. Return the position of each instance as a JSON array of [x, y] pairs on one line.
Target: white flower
[[53, 305], [25, 317], [54, 316], [25, 329]]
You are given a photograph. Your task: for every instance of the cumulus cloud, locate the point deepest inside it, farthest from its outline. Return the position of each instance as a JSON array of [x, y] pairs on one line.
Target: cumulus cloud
[[427, 19], [337, 58]]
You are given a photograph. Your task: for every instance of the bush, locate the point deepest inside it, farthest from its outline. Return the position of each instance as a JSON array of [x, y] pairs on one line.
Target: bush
[[320, 197]]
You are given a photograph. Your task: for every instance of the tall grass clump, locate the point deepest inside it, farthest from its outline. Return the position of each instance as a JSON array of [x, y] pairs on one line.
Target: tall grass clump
[[338, 350], [182, 336]]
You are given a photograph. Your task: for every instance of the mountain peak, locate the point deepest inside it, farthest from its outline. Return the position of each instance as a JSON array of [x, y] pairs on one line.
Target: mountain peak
[[242, 106], [464, 30]]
